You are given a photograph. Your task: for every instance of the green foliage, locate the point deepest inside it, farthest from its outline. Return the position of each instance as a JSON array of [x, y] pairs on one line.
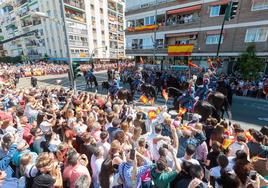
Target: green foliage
[[12, 60], [249, 65]]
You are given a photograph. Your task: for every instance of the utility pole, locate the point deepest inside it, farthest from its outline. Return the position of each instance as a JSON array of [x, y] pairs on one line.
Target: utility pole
[[69, 58], [155, 29], [229, 14]]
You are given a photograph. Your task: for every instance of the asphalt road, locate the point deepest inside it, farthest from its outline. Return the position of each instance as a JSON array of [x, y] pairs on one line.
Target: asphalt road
[[249, 112]]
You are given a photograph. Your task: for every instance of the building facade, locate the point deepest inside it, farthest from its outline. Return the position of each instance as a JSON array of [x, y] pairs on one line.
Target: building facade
[[87, 24], [197, 23]]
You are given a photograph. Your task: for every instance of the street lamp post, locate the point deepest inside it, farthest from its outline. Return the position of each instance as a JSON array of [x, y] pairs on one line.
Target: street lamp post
[[92, 54], [69, 58], [155, 21], [73, 84]]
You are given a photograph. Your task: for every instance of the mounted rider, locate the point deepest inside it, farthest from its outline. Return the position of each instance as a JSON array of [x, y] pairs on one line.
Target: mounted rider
[[115, 84], [187, 100], [203, 90], [137, 78]]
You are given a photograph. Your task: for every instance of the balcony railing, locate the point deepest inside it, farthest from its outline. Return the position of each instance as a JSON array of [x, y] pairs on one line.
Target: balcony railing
[[75, 17], [184, 20], [78, 31], [78, 43], [36, 22], [22, 2], [78, 4]]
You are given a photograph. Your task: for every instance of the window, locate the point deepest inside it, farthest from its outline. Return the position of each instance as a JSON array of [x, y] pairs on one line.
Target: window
[[217, 10], [149, 20], [147, 43], [92, 7], [256, 34], [259, 5], [101, 10], [213, 39]]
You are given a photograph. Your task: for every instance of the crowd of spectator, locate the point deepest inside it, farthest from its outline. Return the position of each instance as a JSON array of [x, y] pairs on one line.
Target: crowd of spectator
[[63, 138]]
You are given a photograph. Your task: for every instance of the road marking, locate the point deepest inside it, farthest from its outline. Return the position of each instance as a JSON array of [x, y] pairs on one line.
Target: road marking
[[262, 119]]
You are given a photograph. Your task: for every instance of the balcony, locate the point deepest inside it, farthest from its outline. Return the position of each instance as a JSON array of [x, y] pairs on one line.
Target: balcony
[[37, 22], [75, 16], [78, 43], [79, 55], [75, 4], [26, 23], [22, 2], [112, 5], [160, 49], [77, 31]]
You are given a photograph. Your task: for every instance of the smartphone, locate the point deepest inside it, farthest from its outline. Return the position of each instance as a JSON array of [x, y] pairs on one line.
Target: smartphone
[[253, 175], [132, 154]]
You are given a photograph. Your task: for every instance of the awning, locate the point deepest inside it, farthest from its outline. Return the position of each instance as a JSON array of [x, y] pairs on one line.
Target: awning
[[221, 2], [186, 9], [215, 32], [180, 50], [180, 34]]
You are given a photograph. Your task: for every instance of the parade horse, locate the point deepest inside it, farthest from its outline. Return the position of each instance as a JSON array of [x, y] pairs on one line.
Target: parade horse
[[225, 89], [119, 93]]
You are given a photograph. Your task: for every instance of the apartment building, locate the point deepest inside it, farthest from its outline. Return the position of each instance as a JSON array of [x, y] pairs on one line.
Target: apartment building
[[87, 24], [195, 23]]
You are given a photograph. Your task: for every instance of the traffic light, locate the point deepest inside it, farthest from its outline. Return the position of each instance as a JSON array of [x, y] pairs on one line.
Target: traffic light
[[234, 9], [76, 69], [231, 10]]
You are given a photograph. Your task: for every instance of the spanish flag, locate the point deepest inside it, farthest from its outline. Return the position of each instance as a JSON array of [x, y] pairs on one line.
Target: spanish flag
[[180, 50], [248, 136], [226, 143], [144, 99], [182, 111], [152, 114], [143, 28], [165, 94]]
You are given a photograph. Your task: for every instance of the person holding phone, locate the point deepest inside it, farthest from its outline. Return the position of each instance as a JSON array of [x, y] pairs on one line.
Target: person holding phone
[[129, 172]]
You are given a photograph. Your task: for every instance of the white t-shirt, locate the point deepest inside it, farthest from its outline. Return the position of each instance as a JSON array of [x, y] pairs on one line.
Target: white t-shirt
[[234, 147], [96, 167], [45, 126]]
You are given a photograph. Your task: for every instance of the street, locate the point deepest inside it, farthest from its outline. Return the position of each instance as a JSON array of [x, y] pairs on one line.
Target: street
[[249, 112]]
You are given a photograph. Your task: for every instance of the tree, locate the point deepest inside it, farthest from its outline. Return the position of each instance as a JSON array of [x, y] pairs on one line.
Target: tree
[[249, 65]]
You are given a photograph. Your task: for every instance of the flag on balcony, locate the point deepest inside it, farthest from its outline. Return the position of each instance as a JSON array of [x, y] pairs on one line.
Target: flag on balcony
[[191, 64], [143, 28], [180, 50]]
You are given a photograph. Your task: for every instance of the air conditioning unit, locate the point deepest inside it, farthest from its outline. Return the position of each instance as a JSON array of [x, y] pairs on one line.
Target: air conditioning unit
[[145, 5]]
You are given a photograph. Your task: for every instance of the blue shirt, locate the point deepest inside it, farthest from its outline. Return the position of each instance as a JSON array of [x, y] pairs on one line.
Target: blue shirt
[[125, 170]]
